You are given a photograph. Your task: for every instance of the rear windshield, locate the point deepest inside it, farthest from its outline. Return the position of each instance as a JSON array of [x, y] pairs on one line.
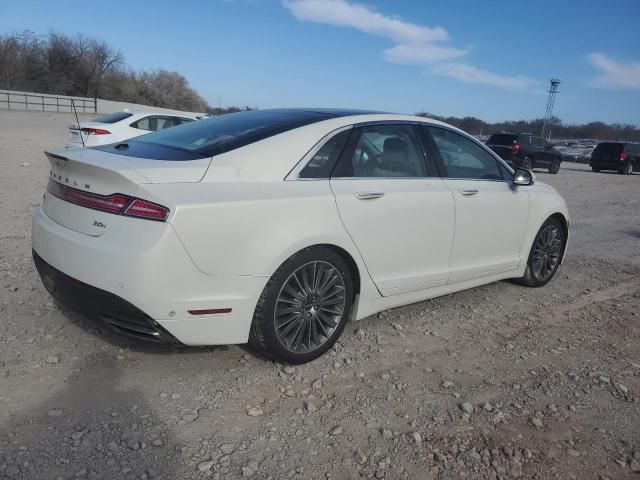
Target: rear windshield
[[614, 148], [112, 117], [502, 139], [213, 136]]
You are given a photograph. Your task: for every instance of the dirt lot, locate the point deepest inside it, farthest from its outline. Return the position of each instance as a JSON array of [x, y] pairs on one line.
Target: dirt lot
[[496, 382]]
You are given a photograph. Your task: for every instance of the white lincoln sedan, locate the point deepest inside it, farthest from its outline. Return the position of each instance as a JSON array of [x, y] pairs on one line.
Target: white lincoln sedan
[[276, 227]]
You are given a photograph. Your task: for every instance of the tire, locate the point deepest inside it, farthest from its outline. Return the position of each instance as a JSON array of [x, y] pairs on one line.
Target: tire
[[533, 275], [628, 169], [555, 166], [527, 163], [594, 169], [288, 326]]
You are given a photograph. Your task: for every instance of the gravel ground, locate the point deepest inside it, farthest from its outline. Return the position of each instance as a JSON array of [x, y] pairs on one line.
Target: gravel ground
[[496, 382]]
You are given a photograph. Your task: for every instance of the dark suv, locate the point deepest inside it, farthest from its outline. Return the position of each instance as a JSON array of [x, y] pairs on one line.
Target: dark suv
[[622, 157], [526, 151]]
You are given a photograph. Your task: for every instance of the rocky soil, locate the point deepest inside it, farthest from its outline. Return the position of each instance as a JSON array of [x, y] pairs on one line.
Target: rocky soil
[[496, 382]]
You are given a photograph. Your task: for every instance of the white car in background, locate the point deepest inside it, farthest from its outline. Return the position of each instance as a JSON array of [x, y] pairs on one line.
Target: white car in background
[[277, 227], [119, 126]]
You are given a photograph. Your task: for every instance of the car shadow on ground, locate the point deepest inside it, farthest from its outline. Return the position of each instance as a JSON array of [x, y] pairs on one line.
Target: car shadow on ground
[[91, 427]]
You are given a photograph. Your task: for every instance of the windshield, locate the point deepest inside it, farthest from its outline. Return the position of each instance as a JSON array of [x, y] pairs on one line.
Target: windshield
[[112, 117], [223, 133], [502, 139]]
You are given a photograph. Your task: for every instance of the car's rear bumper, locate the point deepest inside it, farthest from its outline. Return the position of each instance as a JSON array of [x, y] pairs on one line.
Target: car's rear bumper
[[114, 312], [607, 165], [149, 269]]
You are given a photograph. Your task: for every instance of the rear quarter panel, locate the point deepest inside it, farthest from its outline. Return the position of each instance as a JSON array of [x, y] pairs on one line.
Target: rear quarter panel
[[251, 228]]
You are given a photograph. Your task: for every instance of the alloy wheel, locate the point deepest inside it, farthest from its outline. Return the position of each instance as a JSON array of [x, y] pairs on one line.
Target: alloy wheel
[[546, 253], [309, 306]]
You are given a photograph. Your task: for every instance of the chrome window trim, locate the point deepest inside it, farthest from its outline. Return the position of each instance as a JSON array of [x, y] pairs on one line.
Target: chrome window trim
[[294, 174]]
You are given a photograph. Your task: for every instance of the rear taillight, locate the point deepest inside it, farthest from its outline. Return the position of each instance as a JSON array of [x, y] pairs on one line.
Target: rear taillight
[[515, 148], [95, 131], [117, 203], [623, 156], [143, 209]]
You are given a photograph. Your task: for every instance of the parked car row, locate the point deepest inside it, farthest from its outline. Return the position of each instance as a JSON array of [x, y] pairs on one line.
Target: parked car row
[[529, 151]]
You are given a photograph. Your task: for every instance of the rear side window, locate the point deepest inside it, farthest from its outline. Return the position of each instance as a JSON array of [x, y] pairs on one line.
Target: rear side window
[[383, 151], [112, 117], [502, 139], [464, 158], [322, 163], [213, 136]]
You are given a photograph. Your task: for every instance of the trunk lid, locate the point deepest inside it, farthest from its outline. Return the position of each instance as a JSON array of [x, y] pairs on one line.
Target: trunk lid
[[97, 172]]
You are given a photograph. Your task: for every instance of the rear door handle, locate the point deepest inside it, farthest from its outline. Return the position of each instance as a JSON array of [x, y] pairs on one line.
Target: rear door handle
[[469, 192], [369, 195]]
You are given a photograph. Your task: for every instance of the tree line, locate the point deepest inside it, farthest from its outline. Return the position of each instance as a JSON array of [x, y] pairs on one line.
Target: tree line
[[559, 130], [60, 64]]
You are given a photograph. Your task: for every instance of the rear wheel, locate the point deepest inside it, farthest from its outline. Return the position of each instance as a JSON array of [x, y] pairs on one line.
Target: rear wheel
[[545, 254], [628, 168], [555, 166], [527, 163], [594, 169], [304, 307]]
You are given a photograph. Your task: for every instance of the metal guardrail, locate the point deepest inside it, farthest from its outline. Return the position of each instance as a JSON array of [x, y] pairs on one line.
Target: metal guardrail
[[46, 103]]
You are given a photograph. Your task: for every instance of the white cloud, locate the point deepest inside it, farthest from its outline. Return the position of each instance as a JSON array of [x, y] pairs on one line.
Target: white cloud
[[469, 74], [414, 44], [420, 54], [361, 17], [613, 74]]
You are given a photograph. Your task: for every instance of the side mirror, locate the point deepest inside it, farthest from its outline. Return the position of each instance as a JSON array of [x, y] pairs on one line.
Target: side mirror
[[524, 177]]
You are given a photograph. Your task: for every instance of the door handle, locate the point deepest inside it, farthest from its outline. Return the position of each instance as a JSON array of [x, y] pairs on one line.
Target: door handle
[[469, 192], [369, 195]]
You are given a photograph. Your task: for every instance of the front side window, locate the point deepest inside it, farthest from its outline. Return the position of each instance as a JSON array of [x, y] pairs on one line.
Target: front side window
[[464, 158], [322, 163], [384, 151]]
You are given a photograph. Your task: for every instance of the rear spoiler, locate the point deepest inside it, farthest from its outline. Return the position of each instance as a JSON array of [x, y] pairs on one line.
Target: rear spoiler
[[55, 156]]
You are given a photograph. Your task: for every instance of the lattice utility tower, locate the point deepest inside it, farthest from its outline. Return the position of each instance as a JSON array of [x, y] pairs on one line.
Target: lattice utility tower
[[553, 90]]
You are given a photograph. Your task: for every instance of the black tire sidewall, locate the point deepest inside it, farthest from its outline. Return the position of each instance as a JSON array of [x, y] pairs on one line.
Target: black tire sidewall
[[533, 281], [273, 346]]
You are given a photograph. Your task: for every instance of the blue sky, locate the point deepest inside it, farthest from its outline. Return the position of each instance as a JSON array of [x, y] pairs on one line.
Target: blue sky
[[490, 59]]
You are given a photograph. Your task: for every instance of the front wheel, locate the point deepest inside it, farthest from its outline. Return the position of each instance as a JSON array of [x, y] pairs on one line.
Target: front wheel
[[595, 169], [304, 307], [545, 255], [555, 166]]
